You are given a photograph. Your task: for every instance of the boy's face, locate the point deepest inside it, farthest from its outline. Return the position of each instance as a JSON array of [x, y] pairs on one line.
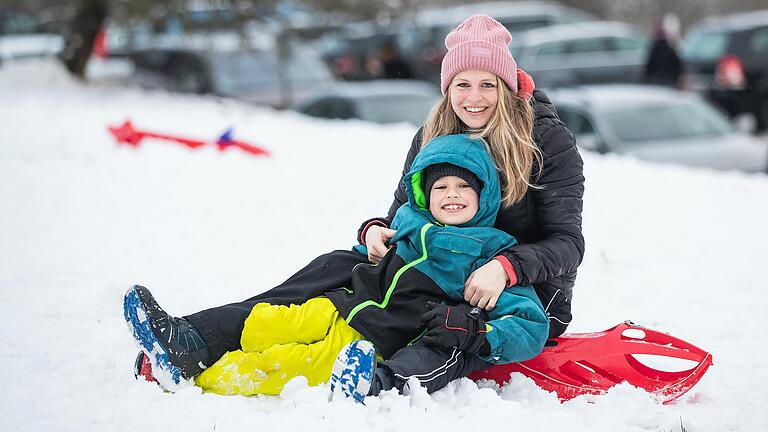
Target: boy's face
[[452, 201]]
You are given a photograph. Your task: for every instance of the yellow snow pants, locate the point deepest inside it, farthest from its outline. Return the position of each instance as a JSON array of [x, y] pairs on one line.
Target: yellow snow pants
[[278, 344]]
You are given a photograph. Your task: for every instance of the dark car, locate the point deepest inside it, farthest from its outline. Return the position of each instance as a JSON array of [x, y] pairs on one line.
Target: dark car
[[253, 75], [726, 58], [657, 124], [349, 51], [378, 101]]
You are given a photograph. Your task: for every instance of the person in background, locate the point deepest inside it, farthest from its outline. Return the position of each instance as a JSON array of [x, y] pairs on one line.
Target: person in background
[[392, 63], [664, 66]]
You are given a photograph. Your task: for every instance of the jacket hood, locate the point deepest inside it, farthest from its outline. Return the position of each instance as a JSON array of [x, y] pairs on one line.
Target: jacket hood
[[468, 153]]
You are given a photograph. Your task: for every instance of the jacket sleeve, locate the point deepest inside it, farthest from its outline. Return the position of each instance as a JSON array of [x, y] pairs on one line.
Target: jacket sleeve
[[400, 197], [519, 327], [558, 204]]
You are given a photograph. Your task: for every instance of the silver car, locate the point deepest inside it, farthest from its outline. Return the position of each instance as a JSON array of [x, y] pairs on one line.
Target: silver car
[[657, 124], [582, 53], [378, 101]]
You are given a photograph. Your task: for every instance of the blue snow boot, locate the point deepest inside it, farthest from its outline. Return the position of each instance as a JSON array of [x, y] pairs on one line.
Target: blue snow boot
[[174, 346], [354, 369]]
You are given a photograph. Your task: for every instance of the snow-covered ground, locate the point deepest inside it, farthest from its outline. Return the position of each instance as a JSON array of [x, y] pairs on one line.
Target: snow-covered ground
[[82, 218]]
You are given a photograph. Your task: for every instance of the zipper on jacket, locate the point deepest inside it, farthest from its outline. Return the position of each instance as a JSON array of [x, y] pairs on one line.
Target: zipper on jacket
[[399, 273]]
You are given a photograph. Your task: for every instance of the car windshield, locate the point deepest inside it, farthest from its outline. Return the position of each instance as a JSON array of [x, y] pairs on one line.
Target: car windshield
[[669, 121], [705, 46], [14, 23], [239, 72], [395, 108]]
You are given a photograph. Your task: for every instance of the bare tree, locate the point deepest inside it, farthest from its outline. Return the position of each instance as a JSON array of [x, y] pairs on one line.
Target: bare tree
[[86, 24]]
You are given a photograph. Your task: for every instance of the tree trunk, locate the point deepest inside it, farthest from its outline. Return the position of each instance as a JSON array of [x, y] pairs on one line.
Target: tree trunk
[[89, 18]]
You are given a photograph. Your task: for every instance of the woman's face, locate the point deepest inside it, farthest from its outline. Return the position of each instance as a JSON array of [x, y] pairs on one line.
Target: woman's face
[[474, 97]]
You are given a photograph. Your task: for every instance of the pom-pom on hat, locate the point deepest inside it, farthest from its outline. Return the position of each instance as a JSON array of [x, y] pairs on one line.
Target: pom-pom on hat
[[480, 42]]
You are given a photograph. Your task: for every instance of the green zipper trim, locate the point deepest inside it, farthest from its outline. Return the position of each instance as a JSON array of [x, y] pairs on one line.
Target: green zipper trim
[[399, 273]]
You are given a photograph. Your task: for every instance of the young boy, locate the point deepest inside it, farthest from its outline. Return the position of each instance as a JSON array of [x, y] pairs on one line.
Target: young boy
[[409, 307]]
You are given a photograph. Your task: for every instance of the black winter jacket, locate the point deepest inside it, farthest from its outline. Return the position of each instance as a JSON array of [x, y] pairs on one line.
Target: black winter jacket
[[546, 222]]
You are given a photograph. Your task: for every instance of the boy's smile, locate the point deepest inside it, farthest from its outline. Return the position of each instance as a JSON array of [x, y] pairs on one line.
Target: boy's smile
[[452, 201]]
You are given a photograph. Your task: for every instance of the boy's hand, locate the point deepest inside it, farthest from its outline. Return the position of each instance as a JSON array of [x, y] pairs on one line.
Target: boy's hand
[[485, 285], [460, 326], [375, 241]]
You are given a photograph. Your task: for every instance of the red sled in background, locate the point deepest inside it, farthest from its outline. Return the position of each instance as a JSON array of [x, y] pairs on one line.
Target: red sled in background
[[127, 134], [590, 363]]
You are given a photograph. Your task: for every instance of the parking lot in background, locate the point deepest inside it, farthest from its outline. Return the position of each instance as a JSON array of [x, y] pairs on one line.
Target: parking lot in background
[[330, 67]]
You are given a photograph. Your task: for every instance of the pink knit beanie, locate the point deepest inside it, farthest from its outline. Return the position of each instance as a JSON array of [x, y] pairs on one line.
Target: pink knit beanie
[[480, 42]]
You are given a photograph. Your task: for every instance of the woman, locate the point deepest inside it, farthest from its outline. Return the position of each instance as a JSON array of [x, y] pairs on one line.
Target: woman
[[542, 187], [536, 154]]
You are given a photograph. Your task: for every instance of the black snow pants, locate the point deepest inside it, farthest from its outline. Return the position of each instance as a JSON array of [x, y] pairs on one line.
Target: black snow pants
[[434, 368]]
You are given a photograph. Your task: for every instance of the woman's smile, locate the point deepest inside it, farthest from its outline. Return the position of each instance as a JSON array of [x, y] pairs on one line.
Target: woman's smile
[[475, 110]]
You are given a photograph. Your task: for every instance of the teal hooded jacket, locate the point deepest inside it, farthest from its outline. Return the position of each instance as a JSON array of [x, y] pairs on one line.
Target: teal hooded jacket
[[431, 262]]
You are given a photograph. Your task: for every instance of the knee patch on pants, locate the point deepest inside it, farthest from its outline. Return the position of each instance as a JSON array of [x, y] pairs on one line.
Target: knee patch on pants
[[269, 325]]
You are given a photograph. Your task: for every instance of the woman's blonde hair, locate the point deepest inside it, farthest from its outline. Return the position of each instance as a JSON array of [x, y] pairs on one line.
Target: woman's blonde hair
[[508, 135]]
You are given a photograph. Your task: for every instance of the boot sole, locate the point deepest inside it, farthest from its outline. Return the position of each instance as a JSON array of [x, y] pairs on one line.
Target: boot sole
[[353, 370], [168, 375]]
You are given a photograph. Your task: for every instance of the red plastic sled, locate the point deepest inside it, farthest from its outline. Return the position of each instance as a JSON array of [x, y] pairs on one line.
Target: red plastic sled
[[591, 363]]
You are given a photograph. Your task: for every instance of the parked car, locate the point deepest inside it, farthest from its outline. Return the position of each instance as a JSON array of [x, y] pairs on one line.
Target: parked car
[[657, 124], [379, 101], [21, 36], [726, 58], [253, 75], [421, 36], [582, 53]]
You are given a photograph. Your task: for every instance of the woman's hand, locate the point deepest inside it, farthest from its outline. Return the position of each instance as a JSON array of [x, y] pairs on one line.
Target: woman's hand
[[375, 239], [484, 285]]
